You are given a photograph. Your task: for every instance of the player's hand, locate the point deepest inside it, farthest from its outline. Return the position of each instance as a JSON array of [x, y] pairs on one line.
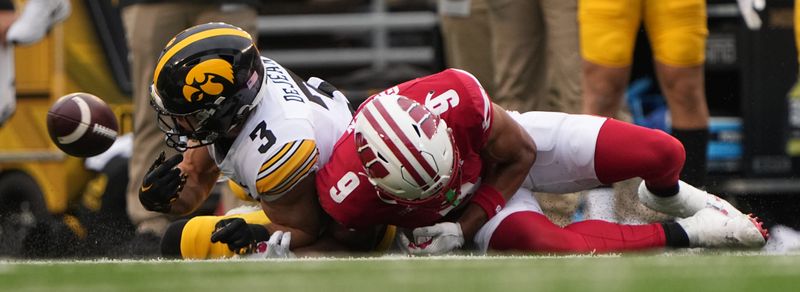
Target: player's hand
[[161, 184], [432, 240], [240, 237], [277, 247], [749, 10]]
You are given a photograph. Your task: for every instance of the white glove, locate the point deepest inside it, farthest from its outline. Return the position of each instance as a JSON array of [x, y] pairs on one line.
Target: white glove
[[748, 9], [432, 240], [277, 247]]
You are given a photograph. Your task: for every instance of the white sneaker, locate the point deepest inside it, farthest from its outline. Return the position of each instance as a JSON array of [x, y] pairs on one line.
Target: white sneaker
[[688, 201], [37, 17], [711, 228]]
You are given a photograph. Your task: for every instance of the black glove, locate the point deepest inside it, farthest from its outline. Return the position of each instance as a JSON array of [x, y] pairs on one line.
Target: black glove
[[161, 184], [240, 237]]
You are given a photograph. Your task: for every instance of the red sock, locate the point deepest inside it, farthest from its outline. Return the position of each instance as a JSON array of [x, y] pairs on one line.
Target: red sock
[[533, 232], [625, 151]]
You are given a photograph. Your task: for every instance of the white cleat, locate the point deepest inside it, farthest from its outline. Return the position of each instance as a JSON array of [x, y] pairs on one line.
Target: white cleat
[[688, 201], [712, 228], [37, 18]]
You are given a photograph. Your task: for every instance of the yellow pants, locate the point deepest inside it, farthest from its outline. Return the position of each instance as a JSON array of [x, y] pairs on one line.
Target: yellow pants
[[195, 236], [677, 30]]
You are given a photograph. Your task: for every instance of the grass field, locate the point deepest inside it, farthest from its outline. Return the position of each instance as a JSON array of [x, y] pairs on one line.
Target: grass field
[[661, 272]]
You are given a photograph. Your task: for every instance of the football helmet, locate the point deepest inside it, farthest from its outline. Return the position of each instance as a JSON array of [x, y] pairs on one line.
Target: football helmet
[[408, 152], [205, 83]]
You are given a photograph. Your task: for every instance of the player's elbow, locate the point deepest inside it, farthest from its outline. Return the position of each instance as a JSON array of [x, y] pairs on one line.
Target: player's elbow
[[526, 155]]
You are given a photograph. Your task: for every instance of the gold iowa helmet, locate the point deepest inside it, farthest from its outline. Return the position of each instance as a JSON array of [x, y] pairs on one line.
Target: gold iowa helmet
[[205, 83]]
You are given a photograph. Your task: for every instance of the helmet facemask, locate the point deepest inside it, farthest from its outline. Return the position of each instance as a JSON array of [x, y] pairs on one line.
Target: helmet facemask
[[203, 126]]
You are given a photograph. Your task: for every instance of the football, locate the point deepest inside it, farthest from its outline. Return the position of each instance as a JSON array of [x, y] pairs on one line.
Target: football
[[82, 124]]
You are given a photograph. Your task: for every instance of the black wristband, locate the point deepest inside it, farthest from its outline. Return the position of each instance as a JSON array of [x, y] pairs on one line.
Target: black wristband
[[260, 233]]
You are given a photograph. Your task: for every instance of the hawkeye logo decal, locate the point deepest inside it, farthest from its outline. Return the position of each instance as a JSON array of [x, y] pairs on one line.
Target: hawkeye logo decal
[[208, 78]]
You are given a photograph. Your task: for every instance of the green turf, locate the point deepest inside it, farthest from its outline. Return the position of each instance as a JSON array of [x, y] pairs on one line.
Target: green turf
[[681, 272]]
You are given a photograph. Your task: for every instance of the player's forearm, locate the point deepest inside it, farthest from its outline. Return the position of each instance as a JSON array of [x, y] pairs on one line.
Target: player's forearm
[[189, 199], [297, 211], [301, 237], [303, 221], [471, 221], [508, 156], [201, 174], [507, 177], [196, 190], [500, 182]]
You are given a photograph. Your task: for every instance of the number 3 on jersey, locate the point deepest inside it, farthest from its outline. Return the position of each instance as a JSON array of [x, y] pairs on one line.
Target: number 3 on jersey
[[261, 132], [344, 187]]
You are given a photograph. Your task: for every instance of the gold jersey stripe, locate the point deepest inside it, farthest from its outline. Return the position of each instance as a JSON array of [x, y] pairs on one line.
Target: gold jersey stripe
[[279, 159], [193, 38], [289, 183], [282, 170], [277, 156]]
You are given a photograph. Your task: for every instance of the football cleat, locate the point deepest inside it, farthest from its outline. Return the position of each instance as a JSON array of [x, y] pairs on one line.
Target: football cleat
[[688, 201], [712, 228], [37, 18]]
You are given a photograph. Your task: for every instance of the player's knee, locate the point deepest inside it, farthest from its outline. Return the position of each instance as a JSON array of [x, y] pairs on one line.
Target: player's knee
[[528, 232], [604, 86], [171, 241], [666, 153]]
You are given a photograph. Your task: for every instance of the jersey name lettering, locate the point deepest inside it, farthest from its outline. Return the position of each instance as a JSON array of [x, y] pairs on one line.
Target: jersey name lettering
[[279, 76]]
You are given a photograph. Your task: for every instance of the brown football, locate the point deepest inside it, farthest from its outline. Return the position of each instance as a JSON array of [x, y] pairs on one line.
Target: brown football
[[82, 124]]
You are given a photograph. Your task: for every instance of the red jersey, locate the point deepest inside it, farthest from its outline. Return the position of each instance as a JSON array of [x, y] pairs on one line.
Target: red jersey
[[458, 98]]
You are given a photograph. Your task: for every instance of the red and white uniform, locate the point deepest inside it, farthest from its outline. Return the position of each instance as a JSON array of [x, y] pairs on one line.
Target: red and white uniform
[[574, 153], [347, 195]]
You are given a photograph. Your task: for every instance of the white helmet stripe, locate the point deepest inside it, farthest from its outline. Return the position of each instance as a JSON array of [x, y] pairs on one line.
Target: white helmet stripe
[[386, 140], [386, 128], [424, 163]]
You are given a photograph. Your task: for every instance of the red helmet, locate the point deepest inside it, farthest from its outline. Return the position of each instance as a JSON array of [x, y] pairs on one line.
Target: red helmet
[[408, 152]]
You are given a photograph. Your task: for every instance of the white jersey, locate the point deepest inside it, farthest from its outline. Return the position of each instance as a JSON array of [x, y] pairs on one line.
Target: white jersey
[[289, 135]]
